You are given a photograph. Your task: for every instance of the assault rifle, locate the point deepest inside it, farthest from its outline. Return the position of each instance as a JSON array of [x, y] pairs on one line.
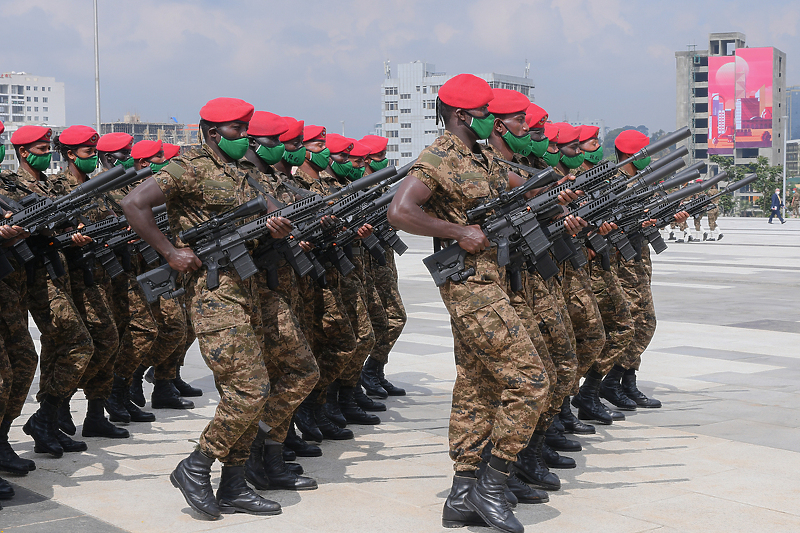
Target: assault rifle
[[700, 205]]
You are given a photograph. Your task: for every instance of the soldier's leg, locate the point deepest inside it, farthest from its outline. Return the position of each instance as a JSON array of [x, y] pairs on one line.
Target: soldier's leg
[[379, 318], [19, 344], [171, 319], [184, 389]]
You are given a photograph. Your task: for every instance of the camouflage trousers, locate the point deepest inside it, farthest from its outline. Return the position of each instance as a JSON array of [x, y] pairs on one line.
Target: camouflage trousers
[[293, 371], [713, 215], [227, 323], [19, 359], [615, 308], [501, 383], [66, 344], [333, 340], [635, 280], [682, 226], [135, 322], [388, 292], [168, 348], [585, 319], [354, 296]]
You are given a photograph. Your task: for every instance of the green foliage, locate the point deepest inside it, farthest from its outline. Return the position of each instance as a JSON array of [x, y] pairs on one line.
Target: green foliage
[[611, 136], [770, 177]]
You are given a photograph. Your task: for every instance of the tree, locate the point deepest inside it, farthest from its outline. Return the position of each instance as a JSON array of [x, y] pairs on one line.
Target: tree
[[611, 136], [769, 179]]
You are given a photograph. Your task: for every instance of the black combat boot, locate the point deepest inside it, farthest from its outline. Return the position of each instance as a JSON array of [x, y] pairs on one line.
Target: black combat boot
[[65, 422], [254, 466], [571, 423], [371, 379], [588, 400], [300, 447], [304, 418], [524, 493], [9, 460], [67, 443], [42, 426], [611, 390], [486, 456], [365, 402], [632, 391], [289, 455], [137, 415], [278, 473], [553, 460], [97, 425], [184, 389], [6, 490], [115, 404], [235, 496], [455, 513], [136, 391], [531, 468], [328, 429], [192, 477], [331, 406], [351, 411], [557, 441], [390, 389], [488, 498], [165, 396]]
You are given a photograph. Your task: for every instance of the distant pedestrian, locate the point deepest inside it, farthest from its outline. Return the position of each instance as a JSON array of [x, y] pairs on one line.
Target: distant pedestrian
[[776, 207]]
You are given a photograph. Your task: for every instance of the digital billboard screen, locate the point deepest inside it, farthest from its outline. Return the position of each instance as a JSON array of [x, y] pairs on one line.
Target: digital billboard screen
[[740, 100]]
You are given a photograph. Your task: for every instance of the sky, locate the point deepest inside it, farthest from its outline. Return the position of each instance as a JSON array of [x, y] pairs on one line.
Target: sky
[[322, 62]]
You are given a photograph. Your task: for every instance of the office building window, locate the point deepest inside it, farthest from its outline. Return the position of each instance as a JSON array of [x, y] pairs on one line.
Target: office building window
[[390, 91], [406, 140], [405, 96], [391, 147], [45, 119], [405, 111], [392, 133], [390, 106], [391, 120], [405, 154], [405, 125], [44, 99]]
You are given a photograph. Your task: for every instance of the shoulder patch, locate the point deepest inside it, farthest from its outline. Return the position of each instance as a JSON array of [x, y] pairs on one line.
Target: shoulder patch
[[174, 170], [430, 159]]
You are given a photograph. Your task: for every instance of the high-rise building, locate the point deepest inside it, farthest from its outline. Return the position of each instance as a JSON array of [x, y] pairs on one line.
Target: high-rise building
[[733, 98], [29, 99], [793, 110], [169, 132], [408, 115]]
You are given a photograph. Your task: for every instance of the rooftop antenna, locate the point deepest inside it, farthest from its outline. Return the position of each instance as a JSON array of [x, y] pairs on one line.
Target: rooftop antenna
[[387, 69], [527, 68]]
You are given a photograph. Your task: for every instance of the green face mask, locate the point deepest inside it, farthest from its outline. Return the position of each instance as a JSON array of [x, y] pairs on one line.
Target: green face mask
[[551, 158], [87, 165], [594, 157], [295, 158], [272, 155], [125, 163], [356, 173], [342, 170], [39, 162], [235, 149], [539, 148], [155, 167], [321, 158], [640, 164], [518, 145], [572, 162], [482, 126], [377, 165], [2, 151]]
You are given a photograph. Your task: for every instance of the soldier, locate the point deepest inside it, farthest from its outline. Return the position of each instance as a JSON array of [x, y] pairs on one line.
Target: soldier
[[291, 365], [66, 346], [389, 304], [495, 355], [713, 214], [196, 186], [92, 293]]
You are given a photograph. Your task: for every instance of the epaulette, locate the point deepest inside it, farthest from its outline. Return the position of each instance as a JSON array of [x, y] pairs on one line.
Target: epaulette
[[430, 159], [174, 169]]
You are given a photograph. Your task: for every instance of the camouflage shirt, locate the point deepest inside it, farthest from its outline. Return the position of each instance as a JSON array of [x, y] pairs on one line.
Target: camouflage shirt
[[51, 186], [10, 186]]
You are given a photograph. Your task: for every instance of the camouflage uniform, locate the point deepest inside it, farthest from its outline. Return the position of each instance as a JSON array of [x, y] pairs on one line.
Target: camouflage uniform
[[795, 203], [713, 214], [385, 301], [501, 385], [634, 276], [198, 185], [293, 371], [354, 296], [615, 308], [66, 344]]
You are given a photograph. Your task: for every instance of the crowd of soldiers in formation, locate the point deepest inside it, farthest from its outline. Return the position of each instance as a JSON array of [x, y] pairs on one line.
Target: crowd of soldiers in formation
[[292, 363]]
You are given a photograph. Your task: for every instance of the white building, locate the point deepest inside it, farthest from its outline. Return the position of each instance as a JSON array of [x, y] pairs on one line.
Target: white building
[[29, 99], [408, 115]]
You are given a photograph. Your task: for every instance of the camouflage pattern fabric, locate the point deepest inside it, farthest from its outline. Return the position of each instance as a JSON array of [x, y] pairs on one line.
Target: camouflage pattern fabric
[[170, 317], [387, 291], [615, 308], [355, 298], [635, 280]]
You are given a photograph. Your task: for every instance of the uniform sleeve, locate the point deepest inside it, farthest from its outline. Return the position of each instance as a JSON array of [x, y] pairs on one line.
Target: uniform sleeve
[[170, 180]]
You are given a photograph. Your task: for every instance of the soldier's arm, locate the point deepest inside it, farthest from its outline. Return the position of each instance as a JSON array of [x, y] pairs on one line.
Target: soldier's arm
[[406, 214]]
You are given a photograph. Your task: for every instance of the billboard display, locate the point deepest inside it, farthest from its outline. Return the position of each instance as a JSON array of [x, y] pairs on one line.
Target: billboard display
[[740, 100]]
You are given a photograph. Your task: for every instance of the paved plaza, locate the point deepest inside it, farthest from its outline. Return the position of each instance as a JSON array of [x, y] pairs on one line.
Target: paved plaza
[[723, 454]]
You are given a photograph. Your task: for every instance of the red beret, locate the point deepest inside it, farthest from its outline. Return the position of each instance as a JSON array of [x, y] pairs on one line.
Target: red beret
[[337, 143], [221, 110], [506, 101], [146, 149], [551, 132], [566, 133], [294, 129], [312, 132], [466, 91], [113, 142], [266, 124], [30, 134], [360, 149], [79, 136], [535, 116], [2, 127], [171, 150], [375, 142], [588, 132], [631, 141]]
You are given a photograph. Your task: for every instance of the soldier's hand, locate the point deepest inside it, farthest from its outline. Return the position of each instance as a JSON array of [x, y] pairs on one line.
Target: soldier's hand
[[364, 231], [80, 240], [606, 228], [279, 227], [590, 254], [327, 221], [568, 196], [183, 260], [574, 224], [305, 246], [473, 239], [648, 223], [681, 216], [10, 232]]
